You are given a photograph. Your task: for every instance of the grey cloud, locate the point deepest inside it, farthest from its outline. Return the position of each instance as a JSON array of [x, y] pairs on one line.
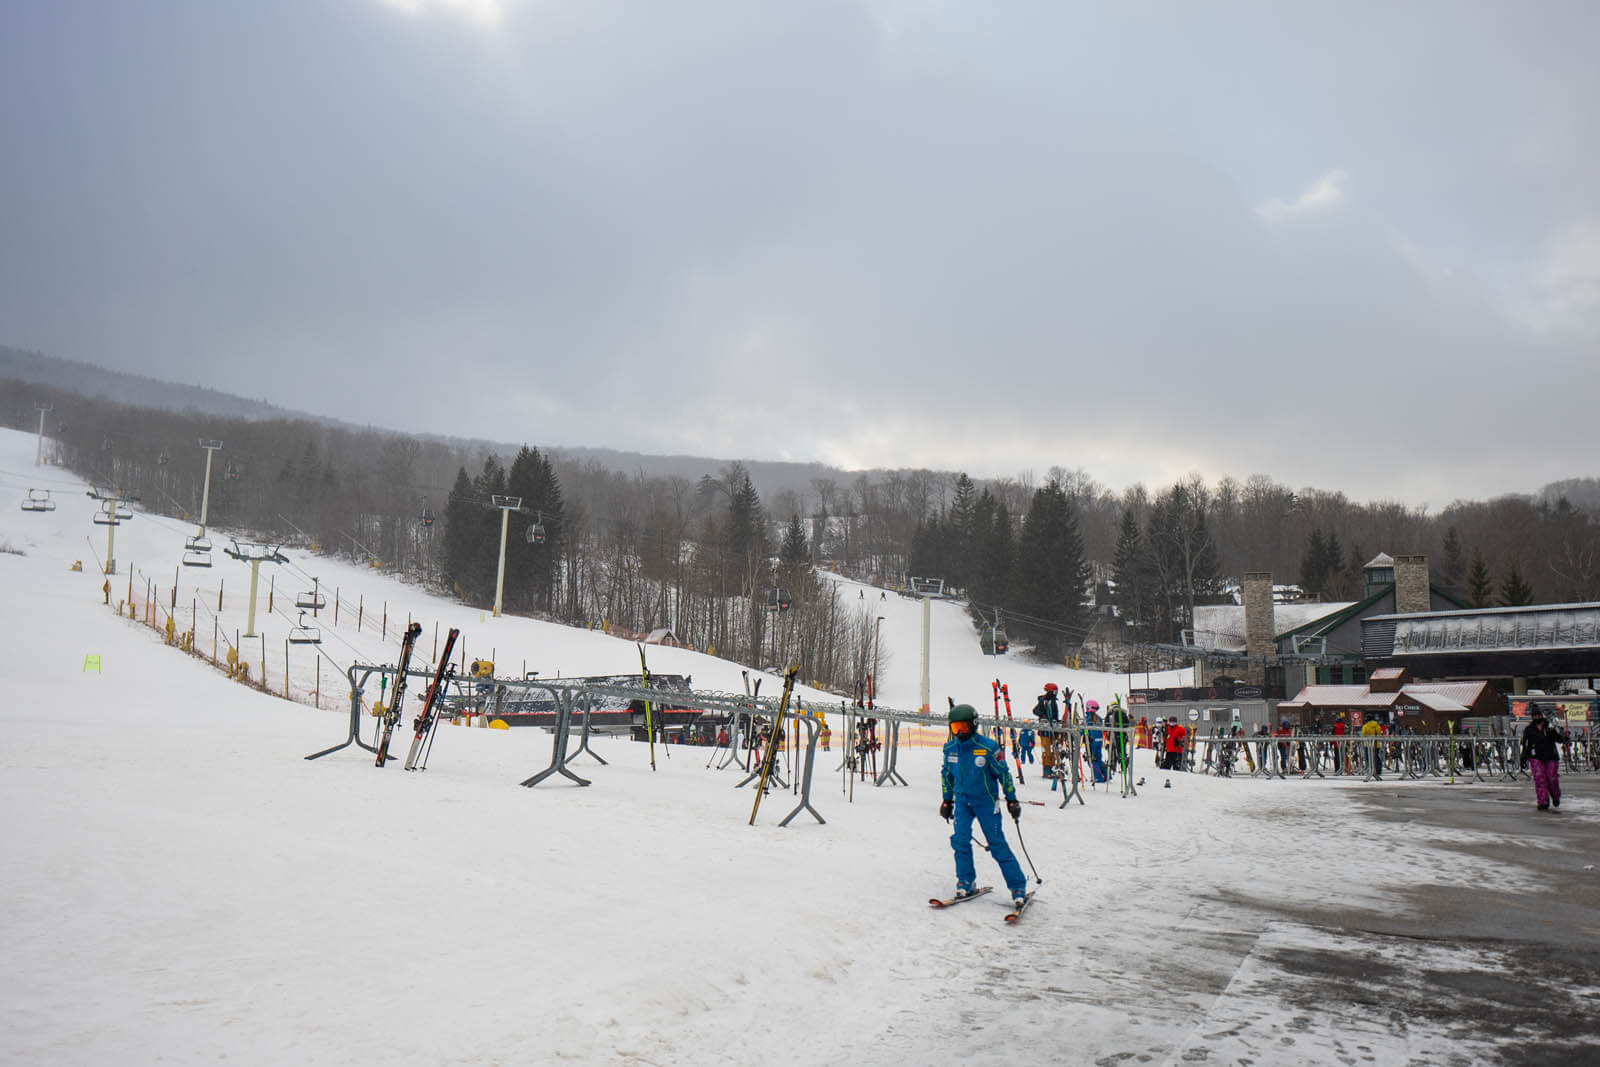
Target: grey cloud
[[994, 237]]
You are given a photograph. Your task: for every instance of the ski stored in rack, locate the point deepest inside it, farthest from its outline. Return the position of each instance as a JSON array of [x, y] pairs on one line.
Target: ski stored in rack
[[430, 706], [391, 714]]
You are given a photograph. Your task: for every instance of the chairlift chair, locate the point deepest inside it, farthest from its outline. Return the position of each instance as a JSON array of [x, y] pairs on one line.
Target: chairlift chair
[[38, 500], [427, 516], [303, 634], [124, 511], [105, 518], [197, 557], [535, 533], [313, 600]]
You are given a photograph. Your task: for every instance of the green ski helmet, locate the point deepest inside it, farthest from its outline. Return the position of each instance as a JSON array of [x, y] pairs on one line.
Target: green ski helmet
[[962, 713]]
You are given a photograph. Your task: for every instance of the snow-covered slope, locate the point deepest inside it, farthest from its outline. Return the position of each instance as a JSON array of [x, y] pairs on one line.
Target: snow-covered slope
[[180, 885]]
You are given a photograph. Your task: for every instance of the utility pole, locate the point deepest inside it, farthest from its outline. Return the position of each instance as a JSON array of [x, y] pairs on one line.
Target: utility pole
[[205, 498], [38, 456], [506, 504]]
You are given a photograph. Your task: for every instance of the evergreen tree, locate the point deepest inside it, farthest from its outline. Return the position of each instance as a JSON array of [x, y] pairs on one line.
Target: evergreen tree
[[962, 532], [1050, 577], [1131, 571], [998, 552], [1355, 573], [1334, 585], [1454, 570], [464, 531], [1514, 591], [533, 558], [1314, 564], [795, 554], [1480, 587]]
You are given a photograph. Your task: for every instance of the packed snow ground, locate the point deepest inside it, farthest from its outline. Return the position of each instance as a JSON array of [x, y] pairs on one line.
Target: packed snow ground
[[181, 885]]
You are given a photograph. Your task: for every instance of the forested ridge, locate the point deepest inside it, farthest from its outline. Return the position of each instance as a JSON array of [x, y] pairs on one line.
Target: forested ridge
[[708, 557]]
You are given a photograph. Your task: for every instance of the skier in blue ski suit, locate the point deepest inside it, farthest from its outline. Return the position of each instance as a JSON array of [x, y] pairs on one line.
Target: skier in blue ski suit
[[974, 777], [1097, 761]]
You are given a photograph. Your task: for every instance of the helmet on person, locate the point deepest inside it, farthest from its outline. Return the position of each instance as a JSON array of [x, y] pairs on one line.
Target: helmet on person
[[1049, 687], [1093, 705], [1286, 722], [962, 713]]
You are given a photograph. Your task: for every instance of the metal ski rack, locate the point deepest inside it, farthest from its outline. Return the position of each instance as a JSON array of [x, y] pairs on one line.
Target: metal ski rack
[[358, 674], [891, 755]]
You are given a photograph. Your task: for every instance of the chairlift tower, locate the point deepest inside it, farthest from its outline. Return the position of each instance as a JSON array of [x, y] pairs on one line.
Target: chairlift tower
[[255, 554], [927, 590], [205, 497], [114, 511], [38, 455], [506, 504]]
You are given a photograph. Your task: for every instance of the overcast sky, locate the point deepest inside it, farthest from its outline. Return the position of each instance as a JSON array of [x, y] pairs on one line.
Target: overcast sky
[[1345, 245]]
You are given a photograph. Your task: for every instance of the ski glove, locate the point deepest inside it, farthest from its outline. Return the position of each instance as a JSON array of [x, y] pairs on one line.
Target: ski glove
[[947, 810], [1014, 806]]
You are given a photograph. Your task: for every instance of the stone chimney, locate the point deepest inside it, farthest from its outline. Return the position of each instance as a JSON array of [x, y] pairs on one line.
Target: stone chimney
[[1411, 585], [1258, 622]]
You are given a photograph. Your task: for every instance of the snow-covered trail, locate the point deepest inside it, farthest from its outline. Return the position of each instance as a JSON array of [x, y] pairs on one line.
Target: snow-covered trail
[[182, 886]]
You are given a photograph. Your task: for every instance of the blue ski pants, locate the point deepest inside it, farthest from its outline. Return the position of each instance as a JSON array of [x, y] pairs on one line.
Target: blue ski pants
[[987, 814]]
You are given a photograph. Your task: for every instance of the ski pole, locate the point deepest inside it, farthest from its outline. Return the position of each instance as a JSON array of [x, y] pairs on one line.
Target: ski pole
[[1024, 845]]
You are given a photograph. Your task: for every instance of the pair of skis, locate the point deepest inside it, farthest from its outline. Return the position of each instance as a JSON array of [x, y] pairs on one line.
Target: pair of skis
[[429, 716], [1011, 916], [391, 714], [423, 724]]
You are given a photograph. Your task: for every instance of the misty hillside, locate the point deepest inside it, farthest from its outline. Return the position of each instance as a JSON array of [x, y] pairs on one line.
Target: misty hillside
[[136, 390]]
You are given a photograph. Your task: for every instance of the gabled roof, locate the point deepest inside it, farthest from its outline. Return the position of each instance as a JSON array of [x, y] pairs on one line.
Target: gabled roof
[[1329, 623], [1437, 696]]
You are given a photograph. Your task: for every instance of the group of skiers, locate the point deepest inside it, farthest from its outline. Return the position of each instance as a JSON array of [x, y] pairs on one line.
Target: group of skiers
[[975, 780]]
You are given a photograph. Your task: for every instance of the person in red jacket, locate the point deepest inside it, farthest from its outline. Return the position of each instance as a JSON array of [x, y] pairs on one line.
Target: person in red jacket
[[1176, 734], [1339, 731]]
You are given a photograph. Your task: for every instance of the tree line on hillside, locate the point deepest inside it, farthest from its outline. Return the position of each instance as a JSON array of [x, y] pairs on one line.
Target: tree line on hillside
[[708, 558]]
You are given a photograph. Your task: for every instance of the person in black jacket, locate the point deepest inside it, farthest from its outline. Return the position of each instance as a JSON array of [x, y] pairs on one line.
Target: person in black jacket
[[1539, 752]]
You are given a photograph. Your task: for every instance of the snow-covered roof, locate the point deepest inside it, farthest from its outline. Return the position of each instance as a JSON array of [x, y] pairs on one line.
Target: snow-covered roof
[[1436, 696], [1382, 559], [1220, 627]]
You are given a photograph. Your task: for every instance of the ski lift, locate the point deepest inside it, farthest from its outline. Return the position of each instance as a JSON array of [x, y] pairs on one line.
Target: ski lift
[[303, 634], [536, 533], [778, 599], [124, 512], [427, 515], [232, 472], [38, 500], [992, 640], [161, 460], [105, 518], [312, 601], [197, 551]]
